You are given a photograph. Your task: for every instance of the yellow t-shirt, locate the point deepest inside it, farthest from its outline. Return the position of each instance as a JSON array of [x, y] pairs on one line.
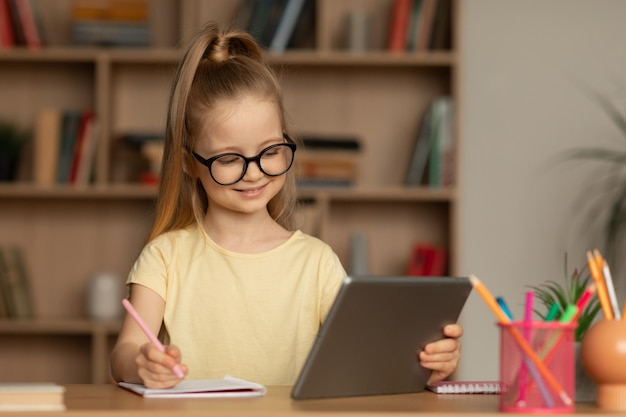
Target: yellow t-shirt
[[252, 316]]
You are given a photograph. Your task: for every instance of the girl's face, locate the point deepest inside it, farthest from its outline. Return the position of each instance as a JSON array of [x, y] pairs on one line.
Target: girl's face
[[244, 127]]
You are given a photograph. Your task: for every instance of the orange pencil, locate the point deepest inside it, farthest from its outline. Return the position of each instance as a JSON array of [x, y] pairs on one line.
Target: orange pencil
[[596, 274], [519, 338]]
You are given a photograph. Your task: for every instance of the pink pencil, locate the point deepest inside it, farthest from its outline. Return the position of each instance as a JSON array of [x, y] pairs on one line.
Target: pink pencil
[[528, 320], [133, 313]]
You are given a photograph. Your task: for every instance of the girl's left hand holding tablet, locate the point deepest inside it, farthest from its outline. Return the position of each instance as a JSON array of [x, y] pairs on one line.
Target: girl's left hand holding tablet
[[156, 368], [442, 356]]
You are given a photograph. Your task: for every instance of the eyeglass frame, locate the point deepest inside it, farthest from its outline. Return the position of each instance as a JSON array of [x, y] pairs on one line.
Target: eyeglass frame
[[208, 162]]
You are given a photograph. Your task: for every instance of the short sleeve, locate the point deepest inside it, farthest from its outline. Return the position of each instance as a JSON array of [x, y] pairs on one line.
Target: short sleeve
[[150, 268], [334, 272]]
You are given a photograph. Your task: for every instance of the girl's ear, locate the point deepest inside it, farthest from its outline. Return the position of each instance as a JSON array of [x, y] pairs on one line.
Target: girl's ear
[[188, 166]]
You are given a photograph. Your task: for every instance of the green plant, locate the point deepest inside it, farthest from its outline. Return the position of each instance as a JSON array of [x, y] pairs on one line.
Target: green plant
[[608, 200], [566, 293]]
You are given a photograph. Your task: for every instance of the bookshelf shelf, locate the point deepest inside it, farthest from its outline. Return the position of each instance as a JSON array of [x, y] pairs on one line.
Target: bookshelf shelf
[[170, 55], [142, 192], [69, 233]]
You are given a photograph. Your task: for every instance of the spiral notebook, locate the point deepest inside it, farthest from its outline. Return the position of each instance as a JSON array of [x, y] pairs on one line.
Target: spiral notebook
[[465, 387]]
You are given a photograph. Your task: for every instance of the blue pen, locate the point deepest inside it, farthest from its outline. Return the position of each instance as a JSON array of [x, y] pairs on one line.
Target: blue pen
[[504, 307]]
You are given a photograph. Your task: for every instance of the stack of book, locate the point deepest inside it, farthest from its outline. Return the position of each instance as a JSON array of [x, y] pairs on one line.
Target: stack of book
[[419, 25], [32, 396], [15, 296], [328, 162], [19, 25], [64, 146], [110, 23], [279, 24]]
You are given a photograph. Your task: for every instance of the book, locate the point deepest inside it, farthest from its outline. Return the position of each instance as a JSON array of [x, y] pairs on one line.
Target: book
[[24, 24], [84, 131], [14, 284], [33, 396], [46, 144], [425, 28], [260, 16], [121, 10], [421, 150], [286, 25], [414, 25], [326, 166], [440, 172], [303, 35], [330, 143], [275, 13], [111, 33], [440, 36], [398, 25], [205, 388], [427, 260], [86, 162], [70, 125], [465, 387], [7, 38]]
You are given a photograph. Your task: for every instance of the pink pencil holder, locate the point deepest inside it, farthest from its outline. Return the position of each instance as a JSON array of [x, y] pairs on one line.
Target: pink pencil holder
[[544, 384]]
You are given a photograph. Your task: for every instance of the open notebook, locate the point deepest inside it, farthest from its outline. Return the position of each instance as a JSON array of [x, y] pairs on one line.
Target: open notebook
[[193, 388]]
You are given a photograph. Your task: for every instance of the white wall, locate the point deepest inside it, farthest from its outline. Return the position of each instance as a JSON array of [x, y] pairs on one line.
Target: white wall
[[520, 109]]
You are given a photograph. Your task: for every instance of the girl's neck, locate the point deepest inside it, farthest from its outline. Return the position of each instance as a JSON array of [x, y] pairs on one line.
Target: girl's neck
[[245, 233]]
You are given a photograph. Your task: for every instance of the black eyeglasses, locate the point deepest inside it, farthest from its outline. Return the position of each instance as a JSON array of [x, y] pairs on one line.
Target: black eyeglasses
[[230, 168]]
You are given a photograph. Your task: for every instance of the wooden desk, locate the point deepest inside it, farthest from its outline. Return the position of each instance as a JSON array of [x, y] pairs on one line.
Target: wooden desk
[[109, 400]]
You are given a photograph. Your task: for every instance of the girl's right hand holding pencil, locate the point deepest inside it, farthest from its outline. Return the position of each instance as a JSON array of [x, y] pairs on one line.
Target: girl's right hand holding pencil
[[156, 368]]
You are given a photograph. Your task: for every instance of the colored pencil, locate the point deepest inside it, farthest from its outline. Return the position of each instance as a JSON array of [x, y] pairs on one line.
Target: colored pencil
[[596, 274], [133, 313]]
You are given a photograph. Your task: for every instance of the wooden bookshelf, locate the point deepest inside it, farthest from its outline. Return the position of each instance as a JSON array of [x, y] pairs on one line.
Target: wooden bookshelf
[[68, 234]]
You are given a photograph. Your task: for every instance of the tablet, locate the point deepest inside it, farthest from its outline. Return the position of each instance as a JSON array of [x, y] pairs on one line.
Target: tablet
[[369, 342]]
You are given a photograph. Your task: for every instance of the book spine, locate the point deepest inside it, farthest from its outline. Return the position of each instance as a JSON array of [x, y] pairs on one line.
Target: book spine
[[441, 140], [7, 38], [27, 23], [84, 132], [260, 18], [421, 150], [16, 287], [414, 25], [427, 15], [275, 13], [304, 35], [398, 23], [5, 287], [286, 25], [87, 159], [46, 146], [69, 133]]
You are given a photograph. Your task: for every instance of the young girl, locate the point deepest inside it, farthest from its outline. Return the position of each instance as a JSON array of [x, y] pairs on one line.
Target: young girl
[[225, 281]]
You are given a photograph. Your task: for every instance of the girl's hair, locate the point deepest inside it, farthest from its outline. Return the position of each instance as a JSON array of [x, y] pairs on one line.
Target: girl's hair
[[218, 66]]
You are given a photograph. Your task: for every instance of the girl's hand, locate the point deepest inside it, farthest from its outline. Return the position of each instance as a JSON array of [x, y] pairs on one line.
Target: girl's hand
[[443, 355], [156, 368]]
